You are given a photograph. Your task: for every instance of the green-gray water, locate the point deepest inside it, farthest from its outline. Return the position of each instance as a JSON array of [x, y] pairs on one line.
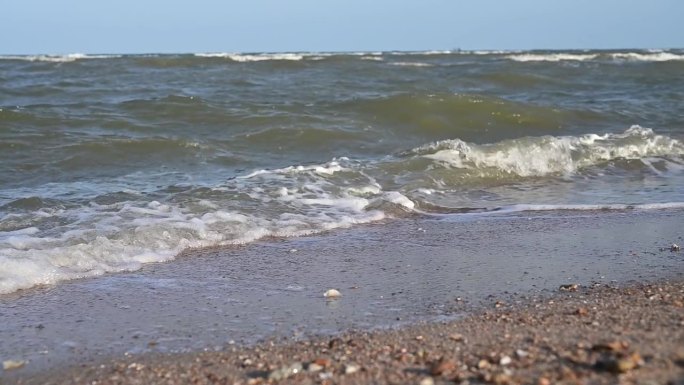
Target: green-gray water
[[111, 161]]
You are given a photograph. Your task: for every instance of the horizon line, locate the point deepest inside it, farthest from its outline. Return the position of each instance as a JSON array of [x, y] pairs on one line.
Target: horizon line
[[343, 52]]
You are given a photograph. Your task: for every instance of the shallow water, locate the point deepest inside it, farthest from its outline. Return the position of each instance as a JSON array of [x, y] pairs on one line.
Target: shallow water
[[108, 162]]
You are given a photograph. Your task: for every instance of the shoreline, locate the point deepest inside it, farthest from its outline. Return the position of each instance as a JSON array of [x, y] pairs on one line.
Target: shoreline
[[394, 274], [598, 334]]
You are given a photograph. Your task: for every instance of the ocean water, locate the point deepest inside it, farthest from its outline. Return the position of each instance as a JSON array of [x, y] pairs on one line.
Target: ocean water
[[108, 162]]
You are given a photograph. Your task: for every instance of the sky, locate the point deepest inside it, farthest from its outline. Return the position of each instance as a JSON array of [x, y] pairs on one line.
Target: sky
[[177, 26]]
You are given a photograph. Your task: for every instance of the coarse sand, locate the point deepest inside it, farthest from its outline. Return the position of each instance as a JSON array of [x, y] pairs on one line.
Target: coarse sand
[[581, 335]]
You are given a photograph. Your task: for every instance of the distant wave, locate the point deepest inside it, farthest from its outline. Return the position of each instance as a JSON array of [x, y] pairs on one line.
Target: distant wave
[[646, 56], [57, 58], [242, 58], [551, 57], [289, 56], [431, 52], [650, 56], [653, 55], [411, 64]]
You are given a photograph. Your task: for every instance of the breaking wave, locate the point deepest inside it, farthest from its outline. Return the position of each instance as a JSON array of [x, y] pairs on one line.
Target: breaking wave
[[542, 156], [645, 56], [649, 56], [57, 58], [552, 57], [43, 241], [242, 58]]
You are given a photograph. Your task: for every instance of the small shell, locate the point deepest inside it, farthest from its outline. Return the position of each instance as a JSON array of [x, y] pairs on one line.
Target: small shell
[[12, 364], [332, 293]]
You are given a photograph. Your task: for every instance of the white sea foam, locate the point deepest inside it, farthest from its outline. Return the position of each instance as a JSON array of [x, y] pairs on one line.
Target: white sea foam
[[57, 58], [657, 56], [431, 52], [648, 56], [411, 64], [540, 156], [97, 239], [551, 57], [487, 52], [134, 235], [243, 58]]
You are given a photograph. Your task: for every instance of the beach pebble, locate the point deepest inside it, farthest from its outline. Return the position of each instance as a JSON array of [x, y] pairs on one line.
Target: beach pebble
[[619, 364], [569, 287], [332, 293], [427, 381], [614, 346], [324, 362], [325, 376], [442, 366], [501, 379], [285, 372], [351, 369], [505, 360], [675, 247], [582, 311], [13, 364], [314, 367]]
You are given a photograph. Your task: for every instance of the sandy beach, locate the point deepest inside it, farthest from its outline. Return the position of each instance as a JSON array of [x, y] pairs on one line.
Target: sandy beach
[[594, 335], [468, 299]]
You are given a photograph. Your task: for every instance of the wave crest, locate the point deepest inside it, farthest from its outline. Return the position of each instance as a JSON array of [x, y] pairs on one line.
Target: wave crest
[[648, 56], [43, 241], [541, 156], [57, 58]]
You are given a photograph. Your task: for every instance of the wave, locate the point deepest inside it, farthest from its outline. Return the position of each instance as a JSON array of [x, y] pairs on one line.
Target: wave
[[548, 155], [551, 57], [472, 117], [421, 53], [645, 56], [44, 240], [487, 52], [244, 58], [515, 55], [411, 64], [57, 58], [100, 238]]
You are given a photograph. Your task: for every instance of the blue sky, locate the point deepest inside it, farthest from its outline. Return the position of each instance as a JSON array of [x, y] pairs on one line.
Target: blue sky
[[156, 26]]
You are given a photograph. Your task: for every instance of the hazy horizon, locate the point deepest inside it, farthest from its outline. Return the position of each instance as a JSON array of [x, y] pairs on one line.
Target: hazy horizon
[[343, 52]]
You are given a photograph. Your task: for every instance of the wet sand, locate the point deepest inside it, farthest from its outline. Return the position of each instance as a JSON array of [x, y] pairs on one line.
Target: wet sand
[[392, 275], [596, 335]]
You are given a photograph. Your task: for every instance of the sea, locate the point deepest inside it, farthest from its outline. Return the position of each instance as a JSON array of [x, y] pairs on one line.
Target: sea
[[111, 162]]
